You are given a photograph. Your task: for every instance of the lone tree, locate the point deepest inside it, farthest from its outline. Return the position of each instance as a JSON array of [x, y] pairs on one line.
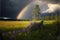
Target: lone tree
[[35, 14]]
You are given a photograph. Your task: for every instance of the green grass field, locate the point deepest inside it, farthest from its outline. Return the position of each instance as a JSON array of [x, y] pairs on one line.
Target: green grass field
[[16, 25], [47, 32]]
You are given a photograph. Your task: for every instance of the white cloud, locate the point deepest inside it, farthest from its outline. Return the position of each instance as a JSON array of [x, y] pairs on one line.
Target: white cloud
[[52, 8]]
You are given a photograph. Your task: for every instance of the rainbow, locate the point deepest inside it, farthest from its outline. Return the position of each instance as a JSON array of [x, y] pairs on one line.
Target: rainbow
[[22, 11]]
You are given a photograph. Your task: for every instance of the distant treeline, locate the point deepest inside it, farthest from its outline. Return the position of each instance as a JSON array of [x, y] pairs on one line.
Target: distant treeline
[[51, 16], [13, 20]]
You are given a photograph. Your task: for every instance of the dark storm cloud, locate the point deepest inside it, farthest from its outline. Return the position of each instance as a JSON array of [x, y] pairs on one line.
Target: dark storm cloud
[[52, 1], [0, 7], [11, 8]]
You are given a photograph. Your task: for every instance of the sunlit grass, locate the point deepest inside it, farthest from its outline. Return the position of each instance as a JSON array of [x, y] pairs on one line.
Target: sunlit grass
[[13, 25], [49, 22], [47, 32], [20, 23]]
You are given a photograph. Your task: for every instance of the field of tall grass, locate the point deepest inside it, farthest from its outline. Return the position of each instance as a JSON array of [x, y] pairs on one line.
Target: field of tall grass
[[47, 32], [11, 25]]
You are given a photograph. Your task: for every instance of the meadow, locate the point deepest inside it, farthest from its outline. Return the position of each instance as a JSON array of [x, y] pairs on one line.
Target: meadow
[[14, 25], [47, 32]]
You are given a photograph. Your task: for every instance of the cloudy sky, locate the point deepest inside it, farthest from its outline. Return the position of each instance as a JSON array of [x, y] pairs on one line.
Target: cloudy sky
[[11, 8], [52, 5]]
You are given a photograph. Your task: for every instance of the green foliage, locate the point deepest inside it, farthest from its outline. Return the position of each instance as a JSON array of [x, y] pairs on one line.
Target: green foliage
[[47, 32], [35, 12], [53, 16]]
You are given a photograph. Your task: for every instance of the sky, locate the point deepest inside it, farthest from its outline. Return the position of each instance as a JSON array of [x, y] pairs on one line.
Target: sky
[[46, 6], [53, 5], [11, 8]]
